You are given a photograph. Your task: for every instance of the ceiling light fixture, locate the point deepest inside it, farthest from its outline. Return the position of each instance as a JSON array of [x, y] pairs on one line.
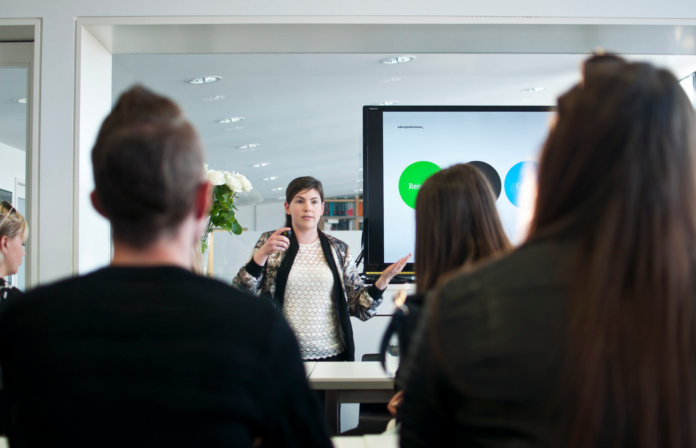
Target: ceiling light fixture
[[237, 128], [20, 100], [214, 98], [397, 60], [277, 189], [270, 178], [282, 198], [249, 146], [358, 190], [259, 165], [204, 80], [534, 89], [360, 169], [388, 80], [386, 103], [231, 120], [358, 180]]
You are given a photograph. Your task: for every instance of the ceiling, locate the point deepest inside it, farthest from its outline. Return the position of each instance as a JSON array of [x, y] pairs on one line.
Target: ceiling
[[305, 110]]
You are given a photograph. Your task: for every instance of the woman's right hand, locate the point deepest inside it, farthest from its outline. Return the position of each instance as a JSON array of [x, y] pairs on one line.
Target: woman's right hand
[[276, 242]]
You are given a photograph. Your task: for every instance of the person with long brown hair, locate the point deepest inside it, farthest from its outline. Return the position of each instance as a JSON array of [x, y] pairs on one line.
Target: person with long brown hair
[[584, 336], [457, 227]]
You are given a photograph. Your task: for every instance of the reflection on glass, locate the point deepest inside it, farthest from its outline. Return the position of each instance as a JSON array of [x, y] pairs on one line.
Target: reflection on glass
[[13, 144]]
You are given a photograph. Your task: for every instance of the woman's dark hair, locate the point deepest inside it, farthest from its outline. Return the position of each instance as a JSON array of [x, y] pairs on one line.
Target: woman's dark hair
[[617, 171], [299, 185], [457, 224]]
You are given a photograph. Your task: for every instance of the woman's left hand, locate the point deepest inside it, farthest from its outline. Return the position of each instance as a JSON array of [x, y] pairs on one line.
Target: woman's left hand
[[390, 272]]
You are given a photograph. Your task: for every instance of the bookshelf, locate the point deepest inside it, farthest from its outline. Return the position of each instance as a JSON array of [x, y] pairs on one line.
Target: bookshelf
[[343, 214]]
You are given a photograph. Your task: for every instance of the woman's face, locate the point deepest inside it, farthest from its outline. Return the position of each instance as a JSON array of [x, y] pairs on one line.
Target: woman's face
[[13, 251], [305, 209]]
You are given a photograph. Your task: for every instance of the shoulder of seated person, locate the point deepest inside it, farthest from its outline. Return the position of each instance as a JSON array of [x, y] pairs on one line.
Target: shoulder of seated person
[[534, 260]]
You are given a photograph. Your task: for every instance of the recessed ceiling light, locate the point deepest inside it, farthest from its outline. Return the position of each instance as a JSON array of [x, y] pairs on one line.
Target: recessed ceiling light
[[20, 100], [277, 189], [360, 169], [249, 146], [358, 180], [386, 103], [397, 60], [358, 190], [282, 198], [214, 98], [236, 128], [231, 120], [270, 178], [259, 165], [388, 80], [204, 80], [534, 89]]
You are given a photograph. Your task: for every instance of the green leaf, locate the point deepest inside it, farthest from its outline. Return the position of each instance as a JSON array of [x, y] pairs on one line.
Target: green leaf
[[236, 228]]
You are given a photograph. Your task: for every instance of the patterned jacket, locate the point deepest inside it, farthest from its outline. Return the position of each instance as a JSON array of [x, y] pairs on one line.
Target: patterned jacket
[[353, 298]]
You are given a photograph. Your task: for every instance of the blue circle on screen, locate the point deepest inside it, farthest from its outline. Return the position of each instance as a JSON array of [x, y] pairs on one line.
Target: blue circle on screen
[[513, 181]]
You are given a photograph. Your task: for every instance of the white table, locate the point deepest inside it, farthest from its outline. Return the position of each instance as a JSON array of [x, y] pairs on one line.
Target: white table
[[350, 382], [308, 367], [371, 441]]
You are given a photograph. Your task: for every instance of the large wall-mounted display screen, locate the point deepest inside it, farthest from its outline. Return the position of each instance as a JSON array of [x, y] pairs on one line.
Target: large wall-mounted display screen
[[404, 145]]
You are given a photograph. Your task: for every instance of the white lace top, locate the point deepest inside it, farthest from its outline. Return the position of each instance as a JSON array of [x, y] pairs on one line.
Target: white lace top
[[308, 305]]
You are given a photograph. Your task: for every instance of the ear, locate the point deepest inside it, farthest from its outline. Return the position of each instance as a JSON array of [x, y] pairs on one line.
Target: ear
[[287, 208], [203, 201], [96, 203], [5, 244]]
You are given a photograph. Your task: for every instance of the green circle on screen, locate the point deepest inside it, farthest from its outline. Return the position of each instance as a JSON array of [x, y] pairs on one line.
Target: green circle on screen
[[412, 178]]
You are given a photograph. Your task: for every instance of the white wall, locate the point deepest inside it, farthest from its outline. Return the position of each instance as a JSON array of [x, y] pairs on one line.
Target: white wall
[[93, 233], [12, 166]]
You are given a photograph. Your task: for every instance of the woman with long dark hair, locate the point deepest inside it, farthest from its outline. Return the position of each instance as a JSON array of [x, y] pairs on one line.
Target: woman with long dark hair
[[457, 227], [584, 336]]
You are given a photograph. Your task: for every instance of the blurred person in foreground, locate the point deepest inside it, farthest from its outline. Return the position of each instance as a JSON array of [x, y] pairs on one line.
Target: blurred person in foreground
[[145, 352], [457, 228], [586, 335]]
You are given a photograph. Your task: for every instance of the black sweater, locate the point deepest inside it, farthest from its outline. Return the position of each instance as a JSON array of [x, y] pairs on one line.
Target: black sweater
[[488, 354], [153, 357]]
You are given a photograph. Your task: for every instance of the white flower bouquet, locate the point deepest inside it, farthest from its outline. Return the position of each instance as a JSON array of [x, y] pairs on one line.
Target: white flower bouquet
[[227, 186]]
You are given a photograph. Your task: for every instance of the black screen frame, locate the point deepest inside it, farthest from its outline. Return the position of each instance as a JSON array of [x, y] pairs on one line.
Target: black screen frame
[[373, 173]]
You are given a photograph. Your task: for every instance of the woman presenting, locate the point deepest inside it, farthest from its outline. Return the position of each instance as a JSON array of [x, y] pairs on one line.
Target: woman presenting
[[313, 277]]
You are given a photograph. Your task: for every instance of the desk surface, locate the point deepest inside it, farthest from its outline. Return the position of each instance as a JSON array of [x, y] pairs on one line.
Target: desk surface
[[350, 376], [308, 367], [371, 441]]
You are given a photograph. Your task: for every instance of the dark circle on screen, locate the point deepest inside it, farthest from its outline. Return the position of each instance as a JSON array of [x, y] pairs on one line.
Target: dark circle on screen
[[492, 176]]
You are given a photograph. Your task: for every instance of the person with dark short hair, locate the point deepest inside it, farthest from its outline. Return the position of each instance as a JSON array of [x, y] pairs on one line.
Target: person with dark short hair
[[312, 277], [145, 352]]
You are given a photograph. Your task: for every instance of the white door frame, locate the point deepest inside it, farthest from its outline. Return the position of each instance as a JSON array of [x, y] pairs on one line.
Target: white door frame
[[32, 61]]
